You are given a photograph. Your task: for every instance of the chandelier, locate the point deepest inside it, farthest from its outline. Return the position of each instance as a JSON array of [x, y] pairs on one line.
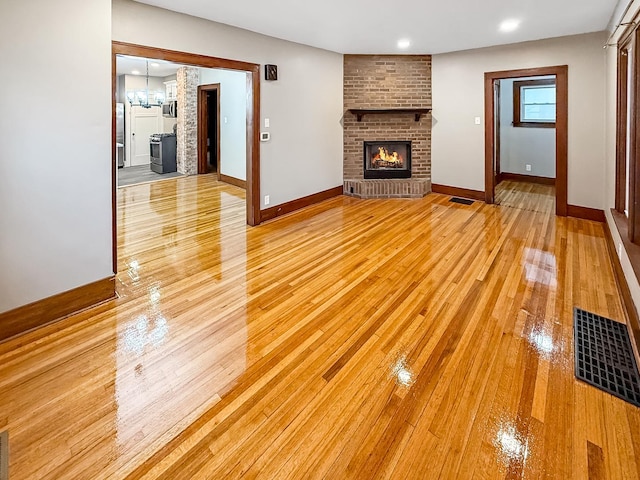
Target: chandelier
[[141, 98]]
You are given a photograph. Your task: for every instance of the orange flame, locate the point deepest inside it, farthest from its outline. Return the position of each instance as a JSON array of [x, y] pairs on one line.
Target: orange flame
[[383, 158]]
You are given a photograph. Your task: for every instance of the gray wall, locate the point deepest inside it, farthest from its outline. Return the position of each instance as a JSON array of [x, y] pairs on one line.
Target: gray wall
[[304, 155], [521, 146], [233, 119], [457, 154], [55, 220]]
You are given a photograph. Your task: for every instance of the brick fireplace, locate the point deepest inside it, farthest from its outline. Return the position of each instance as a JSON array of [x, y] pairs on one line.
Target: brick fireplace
[[387, 159], [387, 99]]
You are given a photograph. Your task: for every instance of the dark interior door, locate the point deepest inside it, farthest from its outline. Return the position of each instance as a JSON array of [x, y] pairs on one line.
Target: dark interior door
[[212, 130]]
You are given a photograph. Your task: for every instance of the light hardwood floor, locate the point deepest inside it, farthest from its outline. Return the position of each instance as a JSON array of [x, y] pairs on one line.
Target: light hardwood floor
[[526, 196], [404, 339]]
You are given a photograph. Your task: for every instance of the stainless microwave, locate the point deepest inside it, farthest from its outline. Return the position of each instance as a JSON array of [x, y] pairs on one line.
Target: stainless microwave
[[170, 109]]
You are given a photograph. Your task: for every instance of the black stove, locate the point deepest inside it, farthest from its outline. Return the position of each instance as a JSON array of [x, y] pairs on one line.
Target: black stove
[[157, 137], [162, 147]]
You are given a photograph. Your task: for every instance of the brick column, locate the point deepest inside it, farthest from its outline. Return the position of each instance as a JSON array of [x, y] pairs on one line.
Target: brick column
[[187, 131]]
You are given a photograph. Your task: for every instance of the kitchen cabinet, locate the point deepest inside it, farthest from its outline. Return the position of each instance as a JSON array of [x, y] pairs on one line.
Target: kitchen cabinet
[[171, 90]]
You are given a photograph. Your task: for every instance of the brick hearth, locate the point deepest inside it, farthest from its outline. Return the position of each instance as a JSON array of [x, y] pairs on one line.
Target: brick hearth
[[389, 188], [387, 81]]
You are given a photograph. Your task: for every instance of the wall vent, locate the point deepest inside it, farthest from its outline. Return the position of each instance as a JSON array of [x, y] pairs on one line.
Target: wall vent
[[604, 356], [4, 455], [463, 201]]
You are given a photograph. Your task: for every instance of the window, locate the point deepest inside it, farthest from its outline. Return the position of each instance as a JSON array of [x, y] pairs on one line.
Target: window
[[628, 136], [534, 103], [626, 214]]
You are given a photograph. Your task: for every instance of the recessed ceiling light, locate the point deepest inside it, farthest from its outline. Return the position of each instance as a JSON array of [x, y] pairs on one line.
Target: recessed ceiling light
[[154, 64], [404, 43], [135, 72], [509, 25]]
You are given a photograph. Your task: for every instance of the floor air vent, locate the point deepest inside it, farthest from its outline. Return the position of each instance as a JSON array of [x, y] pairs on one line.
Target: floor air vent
[[604, 356], [4, 455], [463, 201]]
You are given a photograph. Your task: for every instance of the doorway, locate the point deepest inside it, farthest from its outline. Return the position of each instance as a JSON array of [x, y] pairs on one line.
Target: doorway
[[252, 74], [209, 129], [145, 126], [524, 157], [145, 122], [494, 157]]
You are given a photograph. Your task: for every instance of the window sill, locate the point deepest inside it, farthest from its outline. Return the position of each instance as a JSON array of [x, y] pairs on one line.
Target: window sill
[[633, 250], [534, 124]]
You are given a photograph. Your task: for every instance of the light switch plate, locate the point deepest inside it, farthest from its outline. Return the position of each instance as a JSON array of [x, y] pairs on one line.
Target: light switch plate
[[266, 123], [477, 120]]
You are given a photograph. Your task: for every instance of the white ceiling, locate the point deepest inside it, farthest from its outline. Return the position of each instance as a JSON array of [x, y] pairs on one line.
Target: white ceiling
[[375, 26], [125, 65]]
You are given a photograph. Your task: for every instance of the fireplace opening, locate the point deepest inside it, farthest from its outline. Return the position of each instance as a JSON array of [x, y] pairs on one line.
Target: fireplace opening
[[387, 159]]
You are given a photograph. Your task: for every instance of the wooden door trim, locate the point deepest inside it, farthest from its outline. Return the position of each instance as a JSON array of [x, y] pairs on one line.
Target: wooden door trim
[[203, 126], [621, 143], [621, 130], [498, 145], [253, 118], [634, 145], [562, 114], [114, 167]]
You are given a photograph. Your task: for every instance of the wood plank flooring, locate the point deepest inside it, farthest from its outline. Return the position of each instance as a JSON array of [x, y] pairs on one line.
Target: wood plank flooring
[[141, 174], [357, 339], [526, 196]]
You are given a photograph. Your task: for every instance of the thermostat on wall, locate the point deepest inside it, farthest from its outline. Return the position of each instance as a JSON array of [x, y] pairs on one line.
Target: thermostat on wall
[[265, 136]]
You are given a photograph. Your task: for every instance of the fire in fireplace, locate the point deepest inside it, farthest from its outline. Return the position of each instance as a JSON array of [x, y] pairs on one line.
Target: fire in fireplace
[[387, 159]]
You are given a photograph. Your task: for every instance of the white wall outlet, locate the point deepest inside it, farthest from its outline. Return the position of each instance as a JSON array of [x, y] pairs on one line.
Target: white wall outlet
[[477, 119], [527, 167], [267, 200], [226, 120], [266, 123]]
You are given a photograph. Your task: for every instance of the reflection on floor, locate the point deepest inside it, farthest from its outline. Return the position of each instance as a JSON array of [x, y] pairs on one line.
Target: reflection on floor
[[526, 196], [141, 174], [355, 339]]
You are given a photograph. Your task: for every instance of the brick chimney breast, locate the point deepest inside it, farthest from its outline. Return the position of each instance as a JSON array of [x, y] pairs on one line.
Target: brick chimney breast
[[387, 82]]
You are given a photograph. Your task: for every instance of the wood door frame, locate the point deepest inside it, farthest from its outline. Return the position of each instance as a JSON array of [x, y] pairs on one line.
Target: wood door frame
[[561, 73], [203, 127], [498, 100], [634, 144], [622, 100], [252, 71]]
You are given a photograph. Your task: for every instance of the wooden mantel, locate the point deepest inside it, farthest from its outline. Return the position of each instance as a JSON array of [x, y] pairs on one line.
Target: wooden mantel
[[417, 112]]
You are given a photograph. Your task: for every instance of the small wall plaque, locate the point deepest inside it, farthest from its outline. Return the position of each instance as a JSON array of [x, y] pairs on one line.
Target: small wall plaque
[[271, 72]]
